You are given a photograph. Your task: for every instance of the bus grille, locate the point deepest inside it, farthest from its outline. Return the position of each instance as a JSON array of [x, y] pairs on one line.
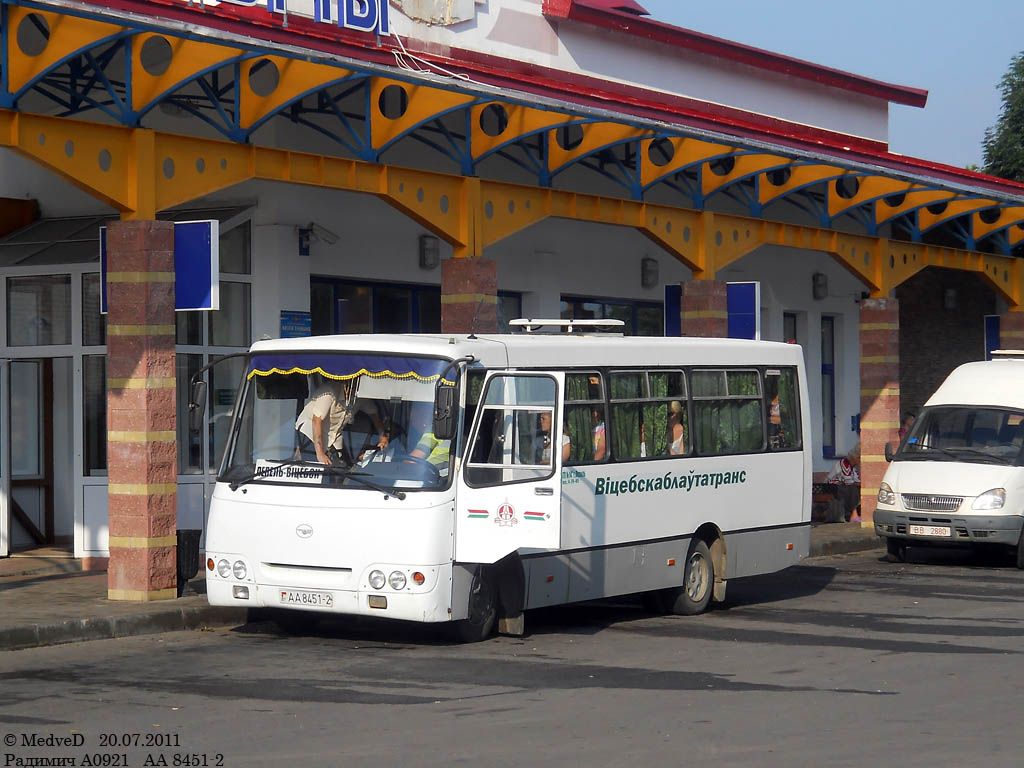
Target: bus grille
[[924, 503]]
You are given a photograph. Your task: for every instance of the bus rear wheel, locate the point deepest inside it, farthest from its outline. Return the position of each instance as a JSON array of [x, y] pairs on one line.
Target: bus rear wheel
[[698, 582], [482, 609]]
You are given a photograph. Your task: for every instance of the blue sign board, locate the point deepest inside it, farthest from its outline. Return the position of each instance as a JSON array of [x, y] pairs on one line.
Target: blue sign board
[[196, 266], [361, 15], [991, 335], [296, 325], [744, 306]]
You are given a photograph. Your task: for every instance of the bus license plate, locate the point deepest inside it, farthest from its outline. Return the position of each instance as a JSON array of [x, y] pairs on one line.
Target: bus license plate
[[317, 599], [929, 530]]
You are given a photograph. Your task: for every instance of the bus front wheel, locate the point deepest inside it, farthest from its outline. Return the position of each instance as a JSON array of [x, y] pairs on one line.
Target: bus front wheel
[[482, 609], [698, 582]]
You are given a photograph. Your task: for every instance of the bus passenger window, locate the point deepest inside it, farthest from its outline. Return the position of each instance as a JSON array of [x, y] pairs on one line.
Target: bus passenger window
[[584, 418], [727, 412], [783, 404]]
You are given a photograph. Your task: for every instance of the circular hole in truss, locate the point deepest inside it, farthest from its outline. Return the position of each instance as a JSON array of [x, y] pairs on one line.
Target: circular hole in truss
[[779, 176], [847, 187], [718, 238], [200, 165], [511, 206], [892, 261], [155, 55], [419, 195], [393, 102], [223, 163], [401, 187], [722, 166], [42, 141], [660, 152], [33, 34], [1006, 276], [686, 234], [569, 136], [894, 201], [936, 208], [990, 215], [904, 258], [264, 77], [168, 168], [735, 236], [867, 258], [444, 204], [489, 210], [104, 160], [493, 119], [527, 204], [69, 148], [668, 227]]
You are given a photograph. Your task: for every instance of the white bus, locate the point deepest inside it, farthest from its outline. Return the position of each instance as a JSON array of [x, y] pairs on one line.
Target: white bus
[[515, 472]]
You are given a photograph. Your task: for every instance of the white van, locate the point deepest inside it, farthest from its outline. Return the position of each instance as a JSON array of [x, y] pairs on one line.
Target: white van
[[958, 475]]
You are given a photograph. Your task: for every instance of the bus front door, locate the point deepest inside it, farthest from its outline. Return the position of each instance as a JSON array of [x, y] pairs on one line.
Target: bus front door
[[508, 493]]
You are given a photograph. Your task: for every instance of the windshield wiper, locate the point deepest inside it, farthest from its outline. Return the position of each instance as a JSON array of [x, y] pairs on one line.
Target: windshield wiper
[[360, 477], [918, 447], [984, 455]]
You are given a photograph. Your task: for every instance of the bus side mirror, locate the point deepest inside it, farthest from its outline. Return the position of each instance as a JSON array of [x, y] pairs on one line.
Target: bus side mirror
[[445, 408], [889, 453], [197, 406]]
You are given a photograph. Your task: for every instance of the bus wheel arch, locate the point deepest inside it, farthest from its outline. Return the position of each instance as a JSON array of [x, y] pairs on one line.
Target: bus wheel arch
[[703, 572], [497, 596]]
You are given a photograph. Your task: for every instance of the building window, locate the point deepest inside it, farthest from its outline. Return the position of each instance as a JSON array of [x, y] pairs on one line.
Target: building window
[[344, 306], [235, 250], [828, 386], [39, 310], [94, 413], [641, 318], [94, 325], [789, 332]]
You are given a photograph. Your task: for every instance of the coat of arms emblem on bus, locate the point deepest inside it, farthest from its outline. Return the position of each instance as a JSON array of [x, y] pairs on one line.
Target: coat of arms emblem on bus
[[506, 515]]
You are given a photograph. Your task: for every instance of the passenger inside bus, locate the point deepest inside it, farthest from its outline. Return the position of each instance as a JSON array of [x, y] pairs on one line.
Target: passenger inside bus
[[676, 432]]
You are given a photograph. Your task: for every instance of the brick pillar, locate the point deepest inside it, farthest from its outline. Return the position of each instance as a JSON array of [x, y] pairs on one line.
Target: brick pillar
[[704, 309], [141, 411], [469, 296], [879, 395], [1011, 330]]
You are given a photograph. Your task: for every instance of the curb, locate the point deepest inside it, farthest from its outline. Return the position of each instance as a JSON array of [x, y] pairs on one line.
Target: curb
[[108, 627], [844, 546]]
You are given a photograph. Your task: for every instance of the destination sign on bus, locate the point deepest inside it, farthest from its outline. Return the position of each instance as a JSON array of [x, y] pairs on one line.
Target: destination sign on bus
[[361, 15]]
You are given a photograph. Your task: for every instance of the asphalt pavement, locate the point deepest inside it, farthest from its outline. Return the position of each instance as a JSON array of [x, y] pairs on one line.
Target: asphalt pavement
[[49, 600]]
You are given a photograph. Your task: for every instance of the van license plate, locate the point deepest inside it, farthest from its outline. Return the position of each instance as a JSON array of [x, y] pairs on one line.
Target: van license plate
[[929, 530], [318, 599]]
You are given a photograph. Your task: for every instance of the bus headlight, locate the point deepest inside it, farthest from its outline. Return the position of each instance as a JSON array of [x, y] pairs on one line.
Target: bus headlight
[[397, 580], [885, 494], [377, 579], [993, 499], [239, 570], [223, 568]]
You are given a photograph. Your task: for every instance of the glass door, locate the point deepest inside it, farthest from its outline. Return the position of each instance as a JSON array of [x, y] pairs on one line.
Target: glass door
[[5, 470]]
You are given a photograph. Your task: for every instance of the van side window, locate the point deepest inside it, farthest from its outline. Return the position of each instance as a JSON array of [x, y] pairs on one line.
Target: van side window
[[783, 404], [474, 388], [585, 417], [727, 412], [649, 415]]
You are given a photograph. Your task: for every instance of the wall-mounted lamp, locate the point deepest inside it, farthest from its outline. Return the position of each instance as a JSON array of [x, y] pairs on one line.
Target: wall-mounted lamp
[[949, 298], [648, 272], [430, 252], [819, 285]]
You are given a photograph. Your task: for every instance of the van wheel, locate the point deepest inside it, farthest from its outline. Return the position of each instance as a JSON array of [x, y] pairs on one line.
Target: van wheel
[[698, 583], [483, 609], [896, 550], [1020, 551]]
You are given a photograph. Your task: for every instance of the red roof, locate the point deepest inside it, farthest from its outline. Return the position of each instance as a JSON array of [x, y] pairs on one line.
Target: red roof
[[609, 15]]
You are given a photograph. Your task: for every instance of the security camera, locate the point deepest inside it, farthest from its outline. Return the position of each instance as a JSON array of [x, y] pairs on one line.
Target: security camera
[[318, 232]]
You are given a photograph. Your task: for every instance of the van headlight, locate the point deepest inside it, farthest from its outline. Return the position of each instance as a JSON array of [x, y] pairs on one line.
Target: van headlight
[[886, 495], [993, 499]]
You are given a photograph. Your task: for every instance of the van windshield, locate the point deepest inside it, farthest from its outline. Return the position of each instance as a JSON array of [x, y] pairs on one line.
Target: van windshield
[[369, 417], [965, 434]]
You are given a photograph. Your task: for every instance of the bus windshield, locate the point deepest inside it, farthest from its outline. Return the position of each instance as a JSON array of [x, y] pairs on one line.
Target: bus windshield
[[965, 434], [339, 420]]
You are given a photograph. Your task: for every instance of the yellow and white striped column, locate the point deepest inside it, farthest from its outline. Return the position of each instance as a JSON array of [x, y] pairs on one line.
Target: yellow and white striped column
[[141, 411], [879, 395]]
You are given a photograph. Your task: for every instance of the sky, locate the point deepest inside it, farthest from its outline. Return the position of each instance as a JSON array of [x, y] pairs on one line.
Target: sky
[[957, 50]]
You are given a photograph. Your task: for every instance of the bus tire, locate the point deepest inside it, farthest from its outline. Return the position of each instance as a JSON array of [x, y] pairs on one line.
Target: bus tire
[[698, 582], [896, 550], [482, 610]]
